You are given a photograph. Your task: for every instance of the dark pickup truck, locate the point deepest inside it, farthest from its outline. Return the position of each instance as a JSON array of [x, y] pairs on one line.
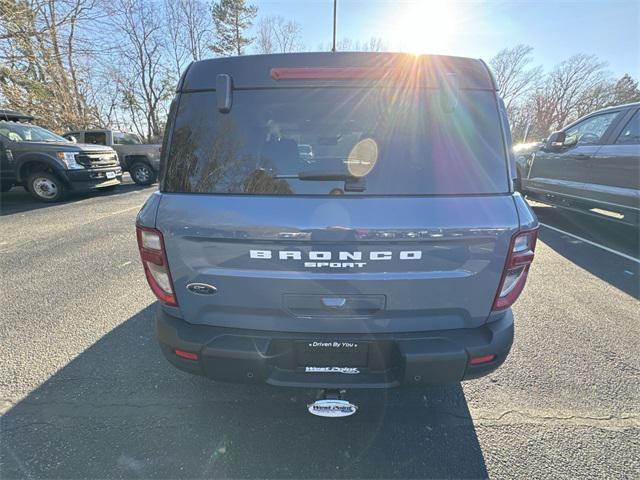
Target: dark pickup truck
[[141, 160], [48, 165], [592, 166]]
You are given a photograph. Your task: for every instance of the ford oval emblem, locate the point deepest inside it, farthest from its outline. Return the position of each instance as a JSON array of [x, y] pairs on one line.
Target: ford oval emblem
[[332, 408], [202, 288]]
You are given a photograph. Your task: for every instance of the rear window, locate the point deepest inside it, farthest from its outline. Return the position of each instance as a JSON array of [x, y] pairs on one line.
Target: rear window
[[353, 141]]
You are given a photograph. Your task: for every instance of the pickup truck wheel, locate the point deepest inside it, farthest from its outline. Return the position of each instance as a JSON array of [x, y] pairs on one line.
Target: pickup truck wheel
[[142, 173], [46, 187], [5, 187]]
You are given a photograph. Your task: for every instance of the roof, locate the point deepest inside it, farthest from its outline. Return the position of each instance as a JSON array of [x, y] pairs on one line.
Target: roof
[[255, 71], [12, 115], [90, 130], [616, 107]]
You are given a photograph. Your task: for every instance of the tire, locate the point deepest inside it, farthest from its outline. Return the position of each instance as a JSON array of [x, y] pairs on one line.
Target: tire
[[5, 187], [46, 187], [142, 173]]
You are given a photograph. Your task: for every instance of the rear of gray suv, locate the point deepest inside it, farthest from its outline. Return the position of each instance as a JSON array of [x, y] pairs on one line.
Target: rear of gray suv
[[391, 259]]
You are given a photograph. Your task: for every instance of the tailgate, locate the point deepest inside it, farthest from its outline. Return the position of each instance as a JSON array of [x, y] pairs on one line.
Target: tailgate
[[343, 265]]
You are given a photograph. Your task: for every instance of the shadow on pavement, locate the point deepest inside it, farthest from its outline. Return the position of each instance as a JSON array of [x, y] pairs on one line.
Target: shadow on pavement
[[18, 200], [620, 272], [119, 410]]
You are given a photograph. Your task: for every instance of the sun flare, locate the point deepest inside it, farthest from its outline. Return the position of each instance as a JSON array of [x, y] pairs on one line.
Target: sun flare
[[426, 26]]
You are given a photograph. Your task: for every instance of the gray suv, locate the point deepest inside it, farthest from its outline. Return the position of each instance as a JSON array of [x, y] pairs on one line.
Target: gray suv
[[391, 259]]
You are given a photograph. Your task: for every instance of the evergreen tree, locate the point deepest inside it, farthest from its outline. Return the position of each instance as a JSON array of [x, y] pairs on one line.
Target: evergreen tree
[[626, 90], [231, 19]]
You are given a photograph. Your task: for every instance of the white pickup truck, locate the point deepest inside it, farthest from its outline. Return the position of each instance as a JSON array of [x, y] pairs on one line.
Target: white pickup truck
[[142, 161]]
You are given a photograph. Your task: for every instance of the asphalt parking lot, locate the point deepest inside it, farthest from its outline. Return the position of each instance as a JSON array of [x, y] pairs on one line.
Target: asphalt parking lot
[[85, 392]]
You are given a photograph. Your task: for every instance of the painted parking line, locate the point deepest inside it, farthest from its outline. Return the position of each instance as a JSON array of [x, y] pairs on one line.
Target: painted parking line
[[582, 239]]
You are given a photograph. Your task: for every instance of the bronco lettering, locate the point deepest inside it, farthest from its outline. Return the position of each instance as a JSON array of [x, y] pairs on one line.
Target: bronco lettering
[[328, 256], [327, 259]]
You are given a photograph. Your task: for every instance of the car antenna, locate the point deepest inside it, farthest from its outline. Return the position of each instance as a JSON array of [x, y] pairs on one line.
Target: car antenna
[[335, 8]]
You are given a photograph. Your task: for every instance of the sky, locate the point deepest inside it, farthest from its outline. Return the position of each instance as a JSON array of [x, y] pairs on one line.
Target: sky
[[609, 29]]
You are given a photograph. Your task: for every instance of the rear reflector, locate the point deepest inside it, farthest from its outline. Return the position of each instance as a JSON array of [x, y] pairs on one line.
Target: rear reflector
[[187, 355], [482, 359], [516, 268], [329, 73], [156, 267]]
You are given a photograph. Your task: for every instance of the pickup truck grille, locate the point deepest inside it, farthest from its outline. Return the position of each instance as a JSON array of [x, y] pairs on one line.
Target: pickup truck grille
[[97, 159]]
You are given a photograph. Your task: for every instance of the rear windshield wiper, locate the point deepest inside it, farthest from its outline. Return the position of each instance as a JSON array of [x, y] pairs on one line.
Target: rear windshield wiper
[[326, 176], [351, 182]]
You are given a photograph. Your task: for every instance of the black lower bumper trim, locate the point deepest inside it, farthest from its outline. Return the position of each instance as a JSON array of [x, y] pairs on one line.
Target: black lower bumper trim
[[238, 355], [91, 178]]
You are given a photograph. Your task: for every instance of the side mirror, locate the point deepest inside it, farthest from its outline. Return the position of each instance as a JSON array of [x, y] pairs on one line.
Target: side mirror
[[517, 184], [72, 139], [5, 153], [555, 141]]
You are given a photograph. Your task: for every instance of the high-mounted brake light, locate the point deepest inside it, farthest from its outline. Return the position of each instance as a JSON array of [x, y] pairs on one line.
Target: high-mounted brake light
[[156, 267], [516, 268], [329, 73]]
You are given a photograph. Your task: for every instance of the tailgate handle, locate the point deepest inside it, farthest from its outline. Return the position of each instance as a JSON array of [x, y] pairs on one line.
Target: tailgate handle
[[334, 302]]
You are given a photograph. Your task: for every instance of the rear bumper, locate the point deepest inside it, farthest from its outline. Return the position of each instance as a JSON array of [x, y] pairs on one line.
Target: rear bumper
[[90, 178], [248, 356]]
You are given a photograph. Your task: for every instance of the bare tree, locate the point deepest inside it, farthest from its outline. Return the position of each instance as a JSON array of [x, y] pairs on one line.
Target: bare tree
[[144, 77], [42, 70], [375, 44], [514, 74], [574, 87], [198, 27], [539, 104], [265, 39], [346, 44], [175, 35], [277, 35], [571, 84], [189, 28]]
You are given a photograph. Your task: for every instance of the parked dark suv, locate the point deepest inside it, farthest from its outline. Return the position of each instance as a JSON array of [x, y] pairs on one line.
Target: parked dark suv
[[391, 259], [48, 165], [592, 165]]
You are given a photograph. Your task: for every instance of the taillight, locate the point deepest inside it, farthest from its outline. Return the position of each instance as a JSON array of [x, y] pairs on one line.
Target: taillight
[[516, 268], [156, 267]]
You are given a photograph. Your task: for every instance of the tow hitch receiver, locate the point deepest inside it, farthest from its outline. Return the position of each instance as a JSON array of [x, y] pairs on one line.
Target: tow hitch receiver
[[330, 403]]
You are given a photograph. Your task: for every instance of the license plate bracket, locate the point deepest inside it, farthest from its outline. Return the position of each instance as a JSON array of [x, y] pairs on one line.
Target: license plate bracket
[[332, 353]]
